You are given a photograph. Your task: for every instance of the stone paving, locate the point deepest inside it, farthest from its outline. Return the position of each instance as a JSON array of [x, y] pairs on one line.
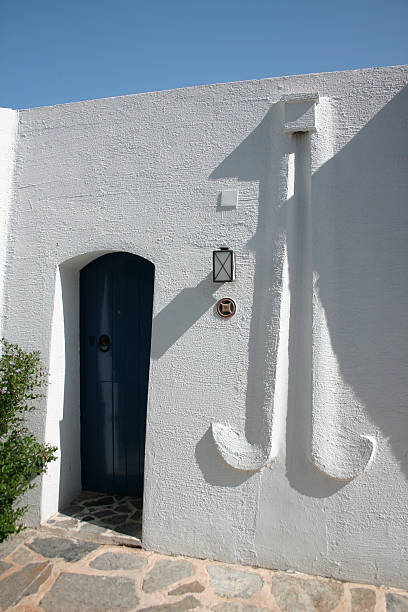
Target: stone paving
[[44, 572], [115, 519]]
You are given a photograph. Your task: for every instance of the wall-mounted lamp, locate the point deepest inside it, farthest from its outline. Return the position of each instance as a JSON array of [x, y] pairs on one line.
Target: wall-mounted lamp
[[223, 265]]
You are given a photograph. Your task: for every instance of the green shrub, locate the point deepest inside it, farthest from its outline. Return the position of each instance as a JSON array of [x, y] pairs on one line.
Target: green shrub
[[22, 458]]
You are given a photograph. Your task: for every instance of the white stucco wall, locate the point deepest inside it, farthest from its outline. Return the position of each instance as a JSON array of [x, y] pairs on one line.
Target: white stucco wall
[[8, 137], [312, 368]]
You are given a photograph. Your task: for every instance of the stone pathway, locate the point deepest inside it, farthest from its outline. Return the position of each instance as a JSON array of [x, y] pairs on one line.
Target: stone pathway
[[43, 572], [115, 519]]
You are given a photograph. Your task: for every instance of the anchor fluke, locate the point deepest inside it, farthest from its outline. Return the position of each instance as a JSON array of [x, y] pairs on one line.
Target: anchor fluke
[[235, 449], [353, 462]]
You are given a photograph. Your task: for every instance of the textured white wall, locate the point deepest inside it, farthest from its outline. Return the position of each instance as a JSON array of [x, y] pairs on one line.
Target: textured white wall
[[8, 136], [315, 357]]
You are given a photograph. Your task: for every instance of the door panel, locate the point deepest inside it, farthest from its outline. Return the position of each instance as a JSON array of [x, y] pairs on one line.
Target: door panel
[[116, 299]]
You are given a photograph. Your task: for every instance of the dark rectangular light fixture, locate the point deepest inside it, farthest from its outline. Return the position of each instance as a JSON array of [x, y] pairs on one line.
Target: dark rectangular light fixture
[[223, 265]]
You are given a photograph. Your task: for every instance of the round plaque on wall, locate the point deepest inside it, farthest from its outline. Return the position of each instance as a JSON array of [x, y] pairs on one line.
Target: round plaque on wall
[[226, 308]]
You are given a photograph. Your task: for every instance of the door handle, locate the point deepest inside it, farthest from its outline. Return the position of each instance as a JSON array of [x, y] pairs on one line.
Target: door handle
[[104, 343]]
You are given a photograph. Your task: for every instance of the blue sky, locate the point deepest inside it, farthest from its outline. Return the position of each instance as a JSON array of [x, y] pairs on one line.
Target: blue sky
[[54, 51]]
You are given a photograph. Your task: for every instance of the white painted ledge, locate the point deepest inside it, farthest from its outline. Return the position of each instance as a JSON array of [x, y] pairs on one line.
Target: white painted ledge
[[300, 97], [300, 114]]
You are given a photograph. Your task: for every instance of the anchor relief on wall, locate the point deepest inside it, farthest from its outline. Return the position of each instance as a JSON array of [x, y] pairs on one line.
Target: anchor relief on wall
[[336, 449]]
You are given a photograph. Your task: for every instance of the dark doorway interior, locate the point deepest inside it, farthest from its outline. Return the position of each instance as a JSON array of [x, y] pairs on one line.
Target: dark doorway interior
[[116, 300]]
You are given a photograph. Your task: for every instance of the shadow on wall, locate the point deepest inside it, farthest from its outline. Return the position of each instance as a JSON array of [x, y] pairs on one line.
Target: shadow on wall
[[261, 156], [70, 468], [214, 469], [360, 250], [180, 314], [258, 158], [360, 253], [70, 439]]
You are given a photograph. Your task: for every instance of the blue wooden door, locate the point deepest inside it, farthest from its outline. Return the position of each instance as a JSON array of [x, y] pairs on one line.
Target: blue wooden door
[[116, 300]]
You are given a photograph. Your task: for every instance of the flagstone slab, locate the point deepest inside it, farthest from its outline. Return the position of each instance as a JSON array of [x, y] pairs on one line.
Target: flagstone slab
[[362, 600], [237, 606], [118, 561], [67, 523], [295, 593], [131, 529], [69, 550], [14, 541], [24, 582], [396, 602], [92, 528], [22, 556], [124, 508], [190, 587], [113, 519], [229, 582], [72, 510], [165, 573], [4, 566], [100, 514], [103, 501], [188, 603], [82, 593], [8, 546], [90, 517]]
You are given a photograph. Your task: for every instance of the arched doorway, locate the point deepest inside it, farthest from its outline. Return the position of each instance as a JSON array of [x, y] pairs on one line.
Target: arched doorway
[[116, 300]]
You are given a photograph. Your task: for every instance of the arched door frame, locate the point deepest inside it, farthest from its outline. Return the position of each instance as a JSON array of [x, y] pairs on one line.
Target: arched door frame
[[62, 482]]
